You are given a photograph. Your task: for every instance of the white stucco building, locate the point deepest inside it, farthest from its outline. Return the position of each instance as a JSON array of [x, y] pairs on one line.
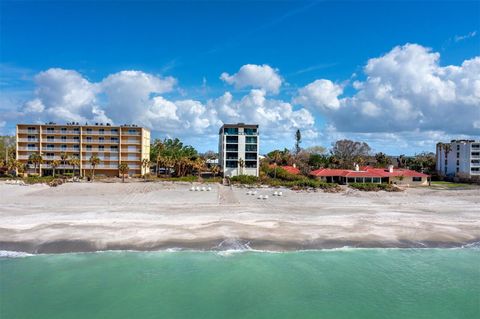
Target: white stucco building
[[459, 158], [238, 149]]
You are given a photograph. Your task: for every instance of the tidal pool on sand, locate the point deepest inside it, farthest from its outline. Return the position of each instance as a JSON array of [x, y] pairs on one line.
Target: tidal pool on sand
[[345, 283]]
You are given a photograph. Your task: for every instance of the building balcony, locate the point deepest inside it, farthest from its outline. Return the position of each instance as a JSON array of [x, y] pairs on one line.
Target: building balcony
[[60, 149], [131, 159], [33, 140], [98, 150], [137, 142], [28, 149], [95, 133], [68, 140], [69, 132], [28, 131], [99, 142]]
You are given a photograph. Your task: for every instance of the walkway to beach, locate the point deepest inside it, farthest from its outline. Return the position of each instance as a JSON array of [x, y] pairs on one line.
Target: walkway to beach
[[226, 195]]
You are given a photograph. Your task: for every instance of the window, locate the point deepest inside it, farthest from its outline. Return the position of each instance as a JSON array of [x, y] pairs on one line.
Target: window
[[376, 180], [31, 146], [63, 129], [251, 156], [76, 130], [251, 164], [50, 146], [132, 132], [89, 130], [114, 139], [89, 138], [231, 164], [64, 147], [232, 139], [458, 147], [76, 147], [251, 139], [250, 131], [89, 147], [32, 138], [50, 138], [351, 180], [232, 148], [368, 179], [76, 138], [458, 162], [230, 131], [114, 148], [457, 170], [416, 179], [231, 155], [50, 129], [101, 147], [114, 130], [475, 153], [101, 131], [475, 169], [250, 148], [64, 138]]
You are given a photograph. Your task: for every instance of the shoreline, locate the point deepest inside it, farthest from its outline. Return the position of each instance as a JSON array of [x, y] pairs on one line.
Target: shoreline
[[87, 217], [66, 247]]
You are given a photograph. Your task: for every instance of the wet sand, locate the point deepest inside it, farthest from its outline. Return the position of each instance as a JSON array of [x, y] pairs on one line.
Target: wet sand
[[151, 216]]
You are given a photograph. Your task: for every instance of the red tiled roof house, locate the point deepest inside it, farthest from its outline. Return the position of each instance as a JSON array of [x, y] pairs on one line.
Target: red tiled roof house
[[371, 175]]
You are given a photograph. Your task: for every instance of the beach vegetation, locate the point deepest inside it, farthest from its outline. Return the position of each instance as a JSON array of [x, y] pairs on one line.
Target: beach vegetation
[[54, 164], [36, 159], [74, 162], [94, 161], [123, 169], [374, 187]]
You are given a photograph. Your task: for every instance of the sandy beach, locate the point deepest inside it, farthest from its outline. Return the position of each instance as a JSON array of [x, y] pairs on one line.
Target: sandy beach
[[161, 215]]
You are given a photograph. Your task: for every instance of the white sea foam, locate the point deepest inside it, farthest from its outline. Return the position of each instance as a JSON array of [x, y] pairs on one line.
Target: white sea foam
[[13, 254]]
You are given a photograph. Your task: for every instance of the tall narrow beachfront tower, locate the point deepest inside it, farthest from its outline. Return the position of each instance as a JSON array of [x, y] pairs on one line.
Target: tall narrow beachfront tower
[[238, 149]]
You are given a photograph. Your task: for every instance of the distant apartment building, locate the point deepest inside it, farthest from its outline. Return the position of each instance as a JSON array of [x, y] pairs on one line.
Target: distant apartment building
[[113, 145], [238, 149], [459, 158]]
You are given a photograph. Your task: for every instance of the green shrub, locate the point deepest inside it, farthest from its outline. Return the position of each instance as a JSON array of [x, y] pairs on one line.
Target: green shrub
[[67, 175], [245, 179], [282, 174], [373, 187], [35, 179]]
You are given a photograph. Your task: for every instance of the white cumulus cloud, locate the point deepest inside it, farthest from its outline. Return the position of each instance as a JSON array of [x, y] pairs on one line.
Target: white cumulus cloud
[[255, 76], [404, 90]]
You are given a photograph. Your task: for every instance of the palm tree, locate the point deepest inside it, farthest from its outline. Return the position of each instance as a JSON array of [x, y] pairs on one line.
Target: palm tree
[[146, 165], [215, 170], [198, 164], [241, 165], [54, 164], [74, 161], [12, 164], [123, 169], [64, 158], [36, 159], [94, 161]]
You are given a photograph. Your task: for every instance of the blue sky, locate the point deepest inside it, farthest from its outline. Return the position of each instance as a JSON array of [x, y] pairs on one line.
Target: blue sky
[[191, 43]]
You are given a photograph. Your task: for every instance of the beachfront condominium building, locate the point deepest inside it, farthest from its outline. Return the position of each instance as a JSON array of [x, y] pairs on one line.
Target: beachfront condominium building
[[113, 145], [238, 149], [459, 158]]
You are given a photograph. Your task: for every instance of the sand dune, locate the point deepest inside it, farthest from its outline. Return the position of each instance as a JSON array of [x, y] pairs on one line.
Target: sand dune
[[150, 216]]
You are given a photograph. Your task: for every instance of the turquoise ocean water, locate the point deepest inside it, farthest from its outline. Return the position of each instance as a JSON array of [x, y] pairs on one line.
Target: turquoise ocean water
[[345, 283]]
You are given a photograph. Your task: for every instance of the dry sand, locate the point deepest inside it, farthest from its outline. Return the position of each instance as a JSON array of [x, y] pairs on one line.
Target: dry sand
[[151, 216]]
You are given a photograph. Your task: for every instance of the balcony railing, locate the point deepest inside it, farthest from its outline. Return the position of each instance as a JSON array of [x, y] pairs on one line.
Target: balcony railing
[[99, 150], [130, 158], [28, 131], [28, 148], [106, 133], [60, 149], [28, 139], [58, 140], [131, 142], [69, 132], [100, 142]]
